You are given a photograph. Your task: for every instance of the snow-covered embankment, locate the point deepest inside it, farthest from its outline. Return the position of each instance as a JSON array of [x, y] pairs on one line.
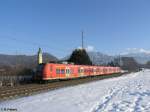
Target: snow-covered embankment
[[126, 93]]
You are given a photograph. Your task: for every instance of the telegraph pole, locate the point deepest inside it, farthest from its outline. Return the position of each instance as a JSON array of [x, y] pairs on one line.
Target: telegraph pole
[[82, 40]]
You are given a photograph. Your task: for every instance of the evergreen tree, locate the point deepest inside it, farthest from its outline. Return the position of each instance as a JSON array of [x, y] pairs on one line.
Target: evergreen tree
[[111, 64], [80, 57]]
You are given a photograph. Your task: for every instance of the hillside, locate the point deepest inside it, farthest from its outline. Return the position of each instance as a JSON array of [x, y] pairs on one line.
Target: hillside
[[16, 63], [24, 60]]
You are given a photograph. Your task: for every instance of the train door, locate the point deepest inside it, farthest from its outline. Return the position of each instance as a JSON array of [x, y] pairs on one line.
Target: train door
[[81, 71], [51, 71], [94, 71], [67, 72], [57, 73]]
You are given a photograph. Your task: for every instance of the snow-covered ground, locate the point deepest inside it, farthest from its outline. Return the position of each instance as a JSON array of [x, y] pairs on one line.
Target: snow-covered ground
[[129, 93]]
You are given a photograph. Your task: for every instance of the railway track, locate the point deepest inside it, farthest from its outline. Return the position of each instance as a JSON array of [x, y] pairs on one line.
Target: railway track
[[30, 89]]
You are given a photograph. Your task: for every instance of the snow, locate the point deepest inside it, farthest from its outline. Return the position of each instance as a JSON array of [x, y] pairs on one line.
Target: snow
[[129, 93]]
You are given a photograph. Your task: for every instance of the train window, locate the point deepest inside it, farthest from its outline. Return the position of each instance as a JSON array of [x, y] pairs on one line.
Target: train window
[[110, 70], [97, 70], [82, 70], [71, 71], [57, 71], [104, 70], [92, 70], [101, 70], [78, 70], [62, 71], [67, 71]]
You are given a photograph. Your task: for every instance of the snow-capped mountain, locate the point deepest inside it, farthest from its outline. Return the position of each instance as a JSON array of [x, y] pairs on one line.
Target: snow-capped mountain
[[142, 56], [99, 58]]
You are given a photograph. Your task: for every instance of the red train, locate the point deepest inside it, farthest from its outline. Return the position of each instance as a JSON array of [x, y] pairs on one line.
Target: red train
[[51, 71]]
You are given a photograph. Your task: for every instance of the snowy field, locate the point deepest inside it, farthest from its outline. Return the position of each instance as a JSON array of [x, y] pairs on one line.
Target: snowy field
[[129, 93]]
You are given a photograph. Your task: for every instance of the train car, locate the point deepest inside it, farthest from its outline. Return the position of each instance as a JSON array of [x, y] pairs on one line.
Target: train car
[[59, 71], [52, 71]]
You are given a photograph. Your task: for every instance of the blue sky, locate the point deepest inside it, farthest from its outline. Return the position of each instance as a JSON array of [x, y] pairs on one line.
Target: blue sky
[[110, 26]]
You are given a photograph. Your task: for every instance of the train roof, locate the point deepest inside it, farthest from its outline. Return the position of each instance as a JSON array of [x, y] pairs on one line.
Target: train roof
[[76, 65]]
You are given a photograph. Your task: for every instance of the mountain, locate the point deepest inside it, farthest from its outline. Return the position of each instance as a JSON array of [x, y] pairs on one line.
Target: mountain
[[140, 57], [98, 58], [129, 63], [23, 61]]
